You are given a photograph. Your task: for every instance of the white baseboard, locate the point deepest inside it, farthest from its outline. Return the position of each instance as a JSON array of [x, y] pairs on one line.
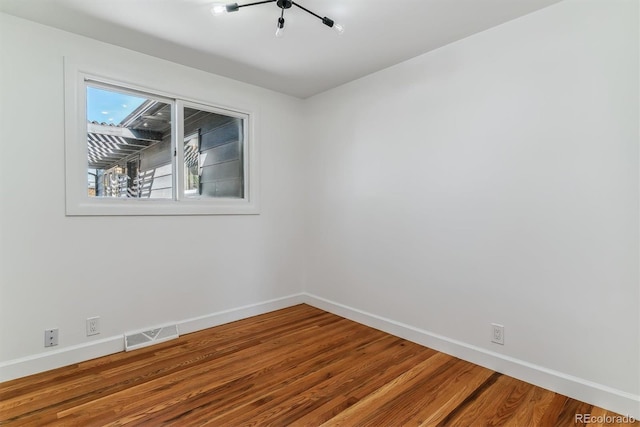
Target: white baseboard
[[587, 391], [221, 317], [619, 401], [58, 358]]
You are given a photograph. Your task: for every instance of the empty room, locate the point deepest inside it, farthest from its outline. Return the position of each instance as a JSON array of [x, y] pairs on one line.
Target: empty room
[[320, 212]]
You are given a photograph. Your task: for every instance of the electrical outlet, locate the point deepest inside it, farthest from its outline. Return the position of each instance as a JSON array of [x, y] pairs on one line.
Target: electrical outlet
[[93, 326], [50, 337], [497, 333]]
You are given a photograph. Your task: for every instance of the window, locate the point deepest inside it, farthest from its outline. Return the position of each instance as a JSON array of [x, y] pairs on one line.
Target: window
[[146, 152]]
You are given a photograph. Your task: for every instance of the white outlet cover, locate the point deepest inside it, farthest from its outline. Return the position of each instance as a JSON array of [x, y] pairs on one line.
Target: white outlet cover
[[497, 333], [95, 322], [50, 337]]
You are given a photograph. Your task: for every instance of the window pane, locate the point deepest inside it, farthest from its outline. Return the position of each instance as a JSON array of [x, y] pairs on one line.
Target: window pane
[[128, 145], [213, 155]]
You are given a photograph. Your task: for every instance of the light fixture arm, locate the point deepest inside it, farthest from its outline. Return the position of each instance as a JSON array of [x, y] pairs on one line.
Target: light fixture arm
[[326, 21], [280, 25], [307, 10], [238, 6]]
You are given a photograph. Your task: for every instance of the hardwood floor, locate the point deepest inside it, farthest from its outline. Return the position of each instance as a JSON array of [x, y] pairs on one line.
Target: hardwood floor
[[294, 367]]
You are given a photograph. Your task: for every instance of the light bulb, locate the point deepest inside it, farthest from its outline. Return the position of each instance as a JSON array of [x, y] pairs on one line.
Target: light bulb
[[280, 28], [218, 9], [339, 28]]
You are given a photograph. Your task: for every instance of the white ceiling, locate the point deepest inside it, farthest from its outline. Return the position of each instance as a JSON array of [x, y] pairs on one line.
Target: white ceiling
[[310, 59]]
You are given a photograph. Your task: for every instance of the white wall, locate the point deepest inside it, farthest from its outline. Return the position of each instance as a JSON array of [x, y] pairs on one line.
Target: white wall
[[53, 272], [492, 180]]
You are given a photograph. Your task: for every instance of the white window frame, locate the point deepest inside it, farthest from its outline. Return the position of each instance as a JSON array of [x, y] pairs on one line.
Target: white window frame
[[77, 200]]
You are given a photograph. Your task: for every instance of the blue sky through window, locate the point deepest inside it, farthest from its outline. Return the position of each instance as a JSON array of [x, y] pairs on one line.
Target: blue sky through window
[[106, 106]]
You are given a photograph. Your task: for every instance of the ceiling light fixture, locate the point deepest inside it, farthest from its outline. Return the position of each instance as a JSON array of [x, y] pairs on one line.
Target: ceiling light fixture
[[219, 9]]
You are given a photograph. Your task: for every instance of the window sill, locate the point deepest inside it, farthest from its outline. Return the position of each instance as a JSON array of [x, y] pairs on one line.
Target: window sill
[[152, 207]]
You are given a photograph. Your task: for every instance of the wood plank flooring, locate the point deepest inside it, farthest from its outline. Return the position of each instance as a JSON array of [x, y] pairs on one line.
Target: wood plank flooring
[[294, 367]]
